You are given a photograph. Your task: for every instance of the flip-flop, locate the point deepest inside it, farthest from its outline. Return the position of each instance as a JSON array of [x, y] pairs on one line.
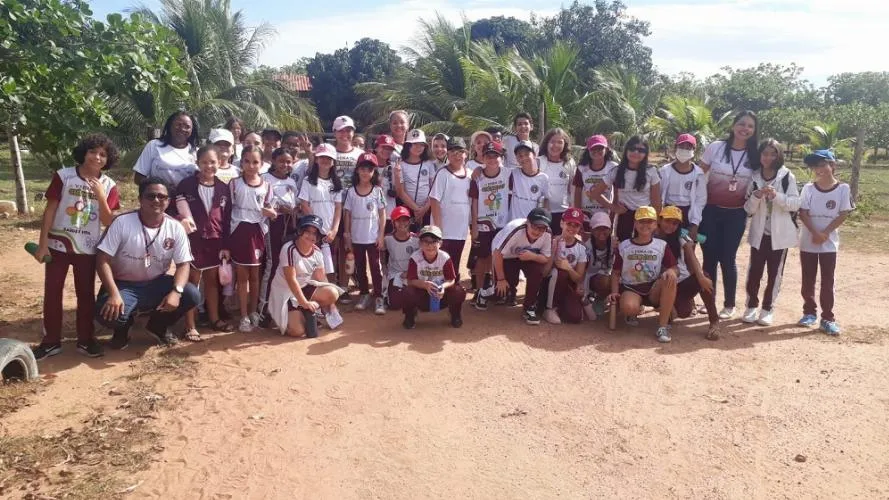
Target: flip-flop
[[192, 336], [221, 326]]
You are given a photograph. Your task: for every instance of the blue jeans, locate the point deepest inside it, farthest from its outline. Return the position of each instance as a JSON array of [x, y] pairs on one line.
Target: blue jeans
[[724, 228], [145, 296]]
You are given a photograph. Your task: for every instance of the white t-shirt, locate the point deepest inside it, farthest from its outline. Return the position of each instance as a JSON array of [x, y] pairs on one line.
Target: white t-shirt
[[628, 196], [721, 173], [513, 240], [299, 172], [684, 190], [76, 227], [227, 174], [399, 255], [600, 261], [365, 213], [472, 165], [560, 175], [491, 196], [509, 144], [526, 192], [305, 265], [170, 164], [435, 271], [205, 193], [322, 200], [417, 180], [823, 207], [132, 245], [452, 192], [283, 191], [387, 183], [248, 202], [642, 264], [585, 179], [574, 253], [344, 165]]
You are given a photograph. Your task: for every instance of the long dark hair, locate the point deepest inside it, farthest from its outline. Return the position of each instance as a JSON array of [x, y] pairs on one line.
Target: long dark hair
[[406, 151], [232, 120], [168, 125], [374, 180], [641, 170], [544, 144], [673, 242], [752, 145], [608, 246], [335, 179], [772, 143], [586, 159]]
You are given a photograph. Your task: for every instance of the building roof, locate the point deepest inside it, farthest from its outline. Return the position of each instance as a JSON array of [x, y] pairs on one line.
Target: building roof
[[294, 83]]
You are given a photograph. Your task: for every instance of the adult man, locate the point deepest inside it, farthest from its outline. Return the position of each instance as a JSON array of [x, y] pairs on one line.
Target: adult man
[[133, 258]]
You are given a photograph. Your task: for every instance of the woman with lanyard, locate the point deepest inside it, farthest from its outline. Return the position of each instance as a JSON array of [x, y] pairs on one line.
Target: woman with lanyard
[[171, 158], [730, 165]]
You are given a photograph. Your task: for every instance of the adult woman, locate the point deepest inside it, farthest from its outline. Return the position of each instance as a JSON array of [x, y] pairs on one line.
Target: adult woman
[[237, 127], [730, 164], [170, 158], [399, 121]]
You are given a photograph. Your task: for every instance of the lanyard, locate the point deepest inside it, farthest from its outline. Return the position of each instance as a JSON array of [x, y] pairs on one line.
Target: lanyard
[[735, 168], [145, 238]]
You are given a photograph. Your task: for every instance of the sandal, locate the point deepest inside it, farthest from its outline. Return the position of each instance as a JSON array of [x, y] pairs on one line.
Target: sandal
[[713, 333], [221, 326], [192, 336]]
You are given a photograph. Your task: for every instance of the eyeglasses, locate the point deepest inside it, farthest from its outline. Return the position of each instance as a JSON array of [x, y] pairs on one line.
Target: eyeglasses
[[429, 241], [638, 150], [155, 197]]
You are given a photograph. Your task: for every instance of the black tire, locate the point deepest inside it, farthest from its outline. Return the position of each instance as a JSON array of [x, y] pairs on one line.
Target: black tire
[[17, 361]]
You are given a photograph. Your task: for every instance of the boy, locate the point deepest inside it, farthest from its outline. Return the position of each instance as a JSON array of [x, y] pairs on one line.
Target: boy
[[489, 213], [432, 279], [450, 200], [522, 125], [528, 186], [271, 140]]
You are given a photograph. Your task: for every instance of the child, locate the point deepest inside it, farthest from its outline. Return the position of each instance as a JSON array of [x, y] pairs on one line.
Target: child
[[595, 164], [559, 168], [477, 141], [692, 281], [400, 245], [772, 202], [365, 219], [528, 186], [562, 291], [346, 152], [389, 170], [79, 201], [522, 126], [358, 141], [299, 288], [255, 140], [825, 204], [684, 185], [431, 275], [207, 213], [416, 178], [450, 201], [488, 214], [440, 150], [251, 211], [237, 127], [600, 259], [271, 140], [636, 186], [321, 194], [644, 273], [224, 141]]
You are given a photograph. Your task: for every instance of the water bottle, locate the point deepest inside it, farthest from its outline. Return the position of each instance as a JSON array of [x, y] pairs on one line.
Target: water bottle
[[700, 239], [435, 301], [32, 247], [350, 263]]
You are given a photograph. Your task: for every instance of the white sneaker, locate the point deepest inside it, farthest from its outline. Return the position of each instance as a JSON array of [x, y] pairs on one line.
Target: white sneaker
[[254, 318], [749, 315], [334, 318], [245, 326], [589, 311], [663, 334], [551, 316], [363, 303], [379, 306], [727, 313], [702, 309], [766, 318]]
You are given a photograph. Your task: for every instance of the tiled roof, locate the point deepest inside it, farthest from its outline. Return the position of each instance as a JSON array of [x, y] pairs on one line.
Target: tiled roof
[[294, 83]]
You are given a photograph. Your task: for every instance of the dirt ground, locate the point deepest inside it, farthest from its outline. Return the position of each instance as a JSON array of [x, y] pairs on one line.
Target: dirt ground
[[499, 409]]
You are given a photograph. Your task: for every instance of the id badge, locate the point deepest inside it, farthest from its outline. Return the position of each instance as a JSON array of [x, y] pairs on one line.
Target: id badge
[[147, 261], [733, 185]]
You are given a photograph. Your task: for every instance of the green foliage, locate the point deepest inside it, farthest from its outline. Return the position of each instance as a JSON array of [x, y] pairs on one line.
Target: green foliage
[[787, 125], [869, 87], [506, 33], [679, 115], [759, 88]]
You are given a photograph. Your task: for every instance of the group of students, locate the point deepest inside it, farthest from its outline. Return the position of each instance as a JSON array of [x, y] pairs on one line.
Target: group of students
[[298, 219]]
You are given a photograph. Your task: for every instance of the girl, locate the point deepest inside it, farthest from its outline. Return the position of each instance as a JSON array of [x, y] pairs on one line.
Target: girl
[[236, 126], [635, 185], [729, 166], [595, 164], [321, 194], [223, 140], [489, 212], [299, 288], [600, 256], [684, 185], [644, 273], [399, 121], [365, 220], [346, 157], [558, 166], [528, 186], [439, 150], [208, 211], [825, 204], [562, 292], [251, 211], [358, 141], [255, 140], [450, 201], [477, 142], [172, 157], [389, 170], [400, 245], [79, 201], [416, 177], [772, 202]]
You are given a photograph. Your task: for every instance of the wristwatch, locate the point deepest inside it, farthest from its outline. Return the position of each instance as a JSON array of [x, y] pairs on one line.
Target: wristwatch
[[178, 289]]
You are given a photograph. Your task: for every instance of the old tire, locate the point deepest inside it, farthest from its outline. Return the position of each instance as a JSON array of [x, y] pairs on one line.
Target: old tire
[[17, 361]]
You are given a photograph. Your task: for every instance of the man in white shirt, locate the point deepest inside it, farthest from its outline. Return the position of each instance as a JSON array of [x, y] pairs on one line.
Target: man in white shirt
[[133, 258]]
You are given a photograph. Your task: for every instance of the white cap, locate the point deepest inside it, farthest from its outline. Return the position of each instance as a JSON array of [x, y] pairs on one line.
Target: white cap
[[221, 134], [600, 219], [415, 136], [325, 149], [342, 122]]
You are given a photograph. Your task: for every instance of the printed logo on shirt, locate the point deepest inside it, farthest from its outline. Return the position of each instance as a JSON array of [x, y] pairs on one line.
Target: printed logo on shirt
[[340, 171], [563, 175], [424, 172], [82, 213], [369, 205], [831, 204], [494, 201], [410, 250], [571, 258], [222, 201], [168, 243], [259, 198], [535, 189], [688, 185]]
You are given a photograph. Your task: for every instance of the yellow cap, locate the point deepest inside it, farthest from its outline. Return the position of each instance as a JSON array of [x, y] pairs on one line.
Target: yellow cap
[[645, 213], [671, 212]]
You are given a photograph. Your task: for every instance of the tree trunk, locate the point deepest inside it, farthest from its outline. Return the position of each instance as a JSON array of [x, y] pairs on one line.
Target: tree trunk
[[15, 155], [541, 127], [856, 162]]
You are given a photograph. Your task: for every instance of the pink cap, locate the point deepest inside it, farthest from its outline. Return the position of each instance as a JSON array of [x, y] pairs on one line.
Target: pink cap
[[596, 141], [686, 139], [325, 149], [600, 219]]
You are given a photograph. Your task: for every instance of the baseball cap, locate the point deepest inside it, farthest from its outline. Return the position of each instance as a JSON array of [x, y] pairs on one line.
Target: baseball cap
[[342, 122], [399, 212], [325, 149], [456, 143], [600, 219], [815, 157], [686, 139], [494, 147], [540, 217], [271, 131], [415, 136], [596, 141], [573, 215], [523, 144], [367, 159], [221, 134], [645, 213], [386, 141], [671, 212], [430, 230]]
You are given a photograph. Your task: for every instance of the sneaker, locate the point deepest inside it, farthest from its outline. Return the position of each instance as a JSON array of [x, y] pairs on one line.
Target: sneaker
[[245, 326], [663, 334], [119, 341], [410, 322], [334, 318], [345, 299], [589, 311], [551, 316], [46, 350], [702, 309], [830, 327], [90, 349], [766, 318], [379, 306], [749, 315], [480, 303], [363, 302], [508, 300], [631, 320], [807, 320], [456, 321], [255, 318], [166, 339], [727, 313], [599, 307], [530, 316]]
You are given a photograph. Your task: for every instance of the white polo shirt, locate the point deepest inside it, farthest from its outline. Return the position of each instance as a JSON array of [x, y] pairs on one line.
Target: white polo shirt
[[513, 240], [140, 253]]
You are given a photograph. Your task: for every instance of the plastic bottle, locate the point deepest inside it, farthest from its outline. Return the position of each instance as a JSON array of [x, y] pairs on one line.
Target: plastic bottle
[[32, 247], [700, 239], [350, 263], [435, 301]]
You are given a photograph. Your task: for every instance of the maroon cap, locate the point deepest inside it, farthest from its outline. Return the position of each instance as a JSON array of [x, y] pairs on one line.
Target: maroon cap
[[493, 147], [573, 215], [367, 158], [687, 139], [596, 141], [386, 141]]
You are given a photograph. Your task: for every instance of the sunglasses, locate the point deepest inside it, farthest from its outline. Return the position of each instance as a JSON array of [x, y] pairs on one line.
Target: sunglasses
[[155, 197], [638, 150]]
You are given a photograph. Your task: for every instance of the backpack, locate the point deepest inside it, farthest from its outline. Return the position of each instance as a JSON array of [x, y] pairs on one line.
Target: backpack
[[785, 183]]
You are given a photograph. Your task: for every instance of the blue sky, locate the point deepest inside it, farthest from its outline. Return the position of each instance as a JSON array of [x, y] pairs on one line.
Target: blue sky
[[698, 36]]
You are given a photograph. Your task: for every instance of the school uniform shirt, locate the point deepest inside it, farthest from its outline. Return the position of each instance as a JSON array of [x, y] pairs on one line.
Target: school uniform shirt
[[491, 194], [684, 271], [365, 212], [684, 190], [642, 264], [282, 192], [627, 195], [773, 218], [560, 174], [452, 192], [824, 207], [387, 183], [417, 180], [439, 270], [574, 253], [509, 144], [399, 254], [585, 179], [471, 165], [280, 294], [600, 261], [170, 164], [513, 240], [526, 192], [227, 174], [322, 200], [344, 165], [210, 208], [76, 227], [722, 172], [140, 253], [299, 172], [248, 202]]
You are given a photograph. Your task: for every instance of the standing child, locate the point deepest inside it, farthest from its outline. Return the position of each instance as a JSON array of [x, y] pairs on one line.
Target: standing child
[[79, 201], [416, 177], [450, 201], [477, 141], [400, 245], [555, 161], [365, 220], [271, 140], [251, 211], [431, 277], [389, 170], [321, 194], [440, 150], [825, 204], [224, 142], [522, 126], [772, 202], [600, 257], [489, 213], [562, 290], [528, 186], [684, 185], [595, 164]]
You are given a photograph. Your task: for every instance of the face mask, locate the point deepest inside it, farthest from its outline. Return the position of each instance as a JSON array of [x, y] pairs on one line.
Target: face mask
[[684, 155]]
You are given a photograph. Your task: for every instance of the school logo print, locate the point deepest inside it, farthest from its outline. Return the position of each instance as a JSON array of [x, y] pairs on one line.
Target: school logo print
[[423, 172], [369, 205], [410, 250], [535, 188], [259, 198], [168, 243], [571, 258], [563, 175], [688, 185], [415, 134], [830, 204], [222, 201]]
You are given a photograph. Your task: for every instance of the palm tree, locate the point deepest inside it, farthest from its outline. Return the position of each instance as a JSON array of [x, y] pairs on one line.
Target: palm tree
[[625, 103], [692, 115], [825, 135]]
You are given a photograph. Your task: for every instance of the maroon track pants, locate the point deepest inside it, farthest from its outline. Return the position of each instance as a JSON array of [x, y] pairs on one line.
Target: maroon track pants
[[54, 287], [810, 263]]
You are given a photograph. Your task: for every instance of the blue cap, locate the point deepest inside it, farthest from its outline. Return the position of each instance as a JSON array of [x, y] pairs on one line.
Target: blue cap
[[815, 157]]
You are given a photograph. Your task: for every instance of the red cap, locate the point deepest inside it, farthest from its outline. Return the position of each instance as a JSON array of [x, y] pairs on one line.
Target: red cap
[[366, 158], [385, 141], [573, 215], [596, 141], [686, 138], [399, 212], [493, 147]]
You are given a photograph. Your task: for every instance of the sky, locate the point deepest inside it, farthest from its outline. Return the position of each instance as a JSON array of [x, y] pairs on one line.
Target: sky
[[698, 36]]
